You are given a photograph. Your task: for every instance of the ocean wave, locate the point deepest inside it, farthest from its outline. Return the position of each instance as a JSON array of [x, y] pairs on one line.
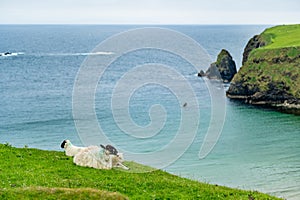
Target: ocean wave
[[97, 53], [103, 53], [26, 125]]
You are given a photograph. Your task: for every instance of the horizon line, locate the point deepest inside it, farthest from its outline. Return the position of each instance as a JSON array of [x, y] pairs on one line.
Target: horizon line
[[150, 24]]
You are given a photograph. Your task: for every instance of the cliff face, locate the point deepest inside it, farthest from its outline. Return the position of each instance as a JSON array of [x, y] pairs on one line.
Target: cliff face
[[253, 43], [270, 74]]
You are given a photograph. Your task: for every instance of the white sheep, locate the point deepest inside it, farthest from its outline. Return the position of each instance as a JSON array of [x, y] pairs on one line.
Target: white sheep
[[94, 156], [70, 149], [99, 158]]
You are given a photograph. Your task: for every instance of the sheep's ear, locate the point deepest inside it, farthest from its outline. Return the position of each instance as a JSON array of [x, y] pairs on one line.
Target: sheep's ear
[[63, 144], [101, 145]]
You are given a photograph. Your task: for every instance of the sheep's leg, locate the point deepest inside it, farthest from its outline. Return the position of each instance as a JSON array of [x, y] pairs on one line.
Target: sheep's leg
[[122, 166]]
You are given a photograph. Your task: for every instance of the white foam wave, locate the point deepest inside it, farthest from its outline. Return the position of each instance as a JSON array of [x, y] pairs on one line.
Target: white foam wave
[[104, 53], [98, 53]]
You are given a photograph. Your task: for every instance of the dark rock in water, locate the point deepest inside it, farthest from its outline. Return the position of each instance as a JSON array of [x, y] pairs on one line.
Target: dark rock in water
[[201, 73], [224, 68], [213, 72], [5, 54], [226, 65]]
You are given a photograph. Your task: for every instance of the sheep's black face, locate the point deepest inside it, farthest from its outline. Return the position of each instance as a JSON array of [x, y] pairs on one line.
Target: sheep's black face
[[63, 144], [112, 150]]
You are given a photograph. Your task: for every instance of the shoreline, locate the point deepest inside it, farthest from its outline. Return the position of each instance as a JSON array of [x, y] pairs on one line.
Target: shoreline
[[285, 107]]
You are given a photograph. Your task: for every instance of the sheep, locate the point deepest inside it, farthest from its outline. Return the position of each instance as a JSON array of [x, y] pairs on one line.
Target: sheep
[[70, 149], [99, 158], [105, 157], [117, 161], [111, 149]]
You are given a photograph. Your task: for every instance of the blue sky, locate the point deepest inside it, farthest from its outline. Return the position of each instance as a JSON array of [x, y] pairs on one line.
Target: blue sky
[[149, 12]]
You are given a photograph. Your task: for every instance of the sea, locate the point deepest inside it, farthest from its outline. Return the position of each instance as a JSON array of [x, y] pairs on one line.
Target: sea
[[140, 102]]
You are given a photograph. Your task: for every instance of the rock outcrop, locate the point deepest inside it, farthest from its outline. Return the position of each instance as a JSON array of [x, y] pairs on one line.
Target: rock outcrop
[[224, 68], [270, 74], [253, 43]]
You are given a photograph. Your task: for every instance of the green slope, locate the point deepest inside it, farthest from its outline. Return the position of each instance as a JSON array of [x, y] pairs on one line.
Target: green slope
[[36, 174], [282, 36]]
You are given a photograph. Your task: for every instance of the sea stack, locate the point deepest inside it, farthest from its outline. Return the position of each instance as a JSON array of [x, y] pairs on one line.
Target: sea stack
[[224, 68]]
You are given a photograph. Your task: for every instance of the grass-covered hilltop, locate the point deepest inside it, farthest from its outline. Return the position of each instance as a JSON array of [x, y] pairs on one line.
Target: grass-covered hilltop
[[36, 174], [270, 74]]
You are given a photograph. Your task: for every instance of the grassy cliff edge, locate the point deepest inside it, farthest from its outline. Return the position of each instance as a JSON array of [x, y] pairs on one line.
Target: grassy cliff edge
[[270, 74], [36, 174]]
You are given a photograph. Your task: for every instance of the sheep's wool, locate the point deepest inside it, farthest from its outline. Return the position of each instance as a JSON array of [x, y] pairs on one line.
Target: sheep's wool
[[93, 157]]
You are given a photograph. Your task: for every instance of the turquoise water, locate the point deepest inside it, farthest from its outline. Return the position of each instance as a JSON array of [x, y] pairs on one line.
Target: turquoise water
[[258, 148]]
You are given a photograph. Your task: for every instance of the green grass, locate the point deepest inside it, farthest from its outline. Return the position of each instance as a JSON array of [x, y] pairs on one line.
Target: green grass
[[58, 193], [282, 36], [36, 174]]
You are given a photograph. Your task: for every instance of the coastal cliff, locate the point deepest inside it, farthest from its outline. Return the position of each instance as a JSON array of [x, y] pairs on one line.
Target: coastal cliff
[[270, 74]]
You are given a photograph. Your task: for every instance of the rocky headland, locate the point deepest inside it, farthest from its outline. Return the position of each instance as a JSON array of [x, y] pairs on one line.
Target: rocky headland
[[223, 69], [270, 72]]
